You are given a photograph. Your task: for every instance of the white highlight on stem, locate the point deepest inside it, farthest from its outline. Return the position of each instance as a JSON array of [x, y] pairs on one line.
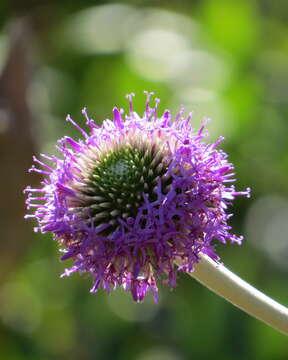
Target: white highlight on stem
[[231, 287]]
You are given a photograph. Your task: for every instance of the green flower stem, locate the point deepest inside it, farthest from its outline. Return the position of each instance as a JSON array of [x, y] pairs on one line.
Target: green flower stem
[[231, 287]]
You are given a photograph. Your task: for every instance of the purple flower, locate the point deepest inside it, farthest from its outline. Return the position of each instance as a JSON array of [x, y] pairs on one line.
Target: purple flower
[[133, 196]]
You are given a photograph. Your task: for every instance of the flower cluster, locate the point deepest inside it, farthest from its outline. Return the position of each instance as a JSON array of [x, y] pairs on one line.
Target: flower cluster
[[133, 196]]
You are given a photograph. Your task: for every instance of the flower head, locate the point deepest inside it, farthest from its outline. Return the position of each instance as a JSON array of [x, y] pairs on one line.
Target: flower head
[[133, 196]]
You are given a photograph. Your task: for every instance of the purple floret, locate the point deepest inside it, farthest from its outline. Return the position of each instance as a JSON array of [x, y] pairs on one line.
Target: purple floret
[[181, 213]]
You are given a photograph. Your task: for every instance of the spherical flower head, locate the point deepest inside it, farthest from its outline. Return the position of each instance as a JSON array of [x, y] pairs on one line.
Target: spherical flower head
[[133, 196]]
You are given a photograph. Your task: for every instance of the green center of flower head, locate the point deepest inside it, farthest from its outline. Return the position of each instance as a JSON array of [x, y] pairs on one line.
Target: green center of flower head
[[120, 179]]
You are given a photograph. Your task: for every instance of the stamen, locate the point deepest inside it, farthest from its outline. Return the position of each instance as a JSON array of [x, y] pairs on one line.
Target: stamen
[[148, 96], [157, 101], [40, 171], [167, 118], [117, 118], [89, 122], [41, 163], [130, 98], [83, 132], [180, 113]]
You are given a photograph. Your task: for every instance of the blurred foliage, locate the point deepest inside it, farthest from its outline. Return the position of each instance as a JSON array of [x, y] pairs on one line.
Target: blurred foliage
[[226, 60]]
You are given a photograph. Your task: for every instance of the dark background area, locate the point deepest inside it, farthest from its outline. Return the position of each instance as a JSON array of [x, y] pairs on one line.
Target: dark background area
[[226, 60]]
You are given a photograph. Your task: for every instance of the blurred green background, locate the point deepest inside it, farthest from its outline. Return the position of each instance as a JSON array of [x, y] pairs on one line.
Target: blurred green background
[[226, 60]]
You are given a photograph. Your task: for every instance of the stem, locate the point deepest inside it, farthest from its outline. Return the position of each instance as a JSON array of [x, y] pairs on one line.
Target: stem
[[228, 285]]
